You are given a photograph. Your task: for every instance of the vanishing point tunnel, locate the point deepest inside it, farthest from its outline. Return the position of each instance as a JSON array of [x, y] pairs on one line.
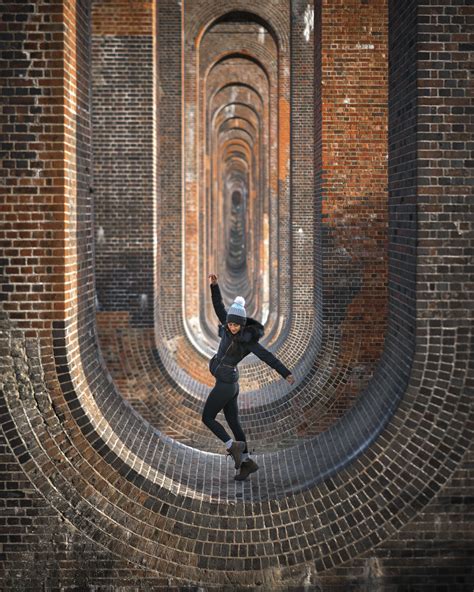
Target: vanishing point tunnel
[[314, 155]]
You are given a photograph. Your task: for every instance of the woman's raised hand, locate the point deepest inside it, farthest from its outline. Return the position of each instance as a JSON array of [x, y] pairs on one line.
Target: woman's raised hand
[[290, 379], [213, 278]]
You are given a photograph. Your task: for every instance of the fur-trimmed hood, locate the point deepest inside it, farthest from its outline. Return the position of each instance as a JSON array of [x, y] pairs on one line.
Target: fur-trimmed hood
[[252, 331]]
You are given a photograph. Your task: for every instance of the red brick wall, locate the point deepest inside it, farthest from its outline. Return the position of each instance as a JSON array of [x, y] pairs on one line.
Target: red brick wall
[[123, 151], [122, 17], [36, 146], [353, 188]]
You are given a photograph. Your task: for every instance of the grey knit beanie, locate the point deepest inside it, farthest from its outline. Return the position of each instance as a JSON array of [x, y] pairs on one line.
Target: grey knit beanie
[[236, 313]]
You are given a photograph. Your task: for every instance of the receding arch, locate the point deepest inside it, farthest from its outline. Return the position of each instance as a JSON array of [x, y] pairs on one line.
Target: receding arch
[[235, 16]]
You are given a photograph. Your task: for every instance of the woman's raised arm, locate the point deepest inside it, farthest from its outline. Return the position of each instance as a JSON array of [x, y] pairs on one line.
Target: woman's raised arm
[[217, 299]]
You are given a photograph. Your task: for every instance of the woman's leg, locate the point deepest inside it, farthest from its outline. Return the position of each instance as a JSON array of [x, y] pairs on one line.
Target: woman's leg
[[217, 399], [231, 412]]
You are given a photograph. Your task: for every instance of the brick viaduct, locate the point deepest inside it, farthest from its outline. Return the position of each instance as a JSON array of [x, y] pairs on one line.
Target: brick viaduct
[[315, 155]]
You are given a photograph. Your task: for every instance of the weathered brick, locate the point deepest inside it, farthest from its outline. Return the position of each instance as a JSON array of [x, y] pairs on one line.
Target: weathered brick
[[366, 469]]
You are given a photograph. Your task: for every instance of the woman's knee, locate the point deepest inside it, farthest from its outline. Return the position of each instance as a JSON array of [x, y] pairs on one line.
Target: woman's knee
[[207, 417]]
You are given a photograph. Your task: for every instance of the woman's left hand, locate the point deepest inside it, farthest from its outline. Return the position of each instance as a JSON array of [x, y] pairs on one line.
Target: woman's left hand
[[290, 379]]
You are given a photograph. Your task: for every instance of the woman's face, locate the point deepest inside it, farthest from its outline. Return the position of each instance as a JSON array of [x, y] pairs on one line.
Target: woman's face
[[234, 328]]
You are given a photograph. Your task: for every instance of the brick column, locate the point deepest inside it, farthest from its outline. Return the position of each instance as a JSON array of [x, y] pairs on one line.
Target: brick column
[[123, 166]]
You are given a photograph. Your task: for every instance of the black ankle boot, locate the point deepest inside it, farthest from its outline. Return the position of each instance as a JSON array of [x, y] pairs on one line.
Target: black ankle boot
[[246, 468], [236, 452]]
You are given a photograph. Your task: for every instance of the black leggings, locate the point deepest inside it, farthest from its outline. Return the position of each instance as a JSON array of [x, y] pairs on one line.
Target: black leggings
[[223, 397]]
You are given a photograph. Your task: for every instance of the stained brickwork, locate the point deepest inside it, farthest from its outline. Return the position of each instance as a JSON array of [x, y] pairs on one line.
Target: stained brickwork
[[334, 393], [122, 18], [236, 93], [260, 35], [295, 337], [41, 550], [123, 135], [353, 186], [95, 497]]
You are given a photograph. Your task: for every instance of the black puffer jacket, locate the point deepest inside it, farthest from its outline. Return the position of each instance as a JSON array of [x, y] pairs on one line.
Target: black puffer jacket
[[234, 348]]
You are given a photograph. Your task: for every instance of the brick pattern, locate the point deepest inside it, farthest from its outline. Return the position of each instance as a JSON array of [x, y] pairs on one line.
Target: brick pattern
[[432, 552], [121, 17], [302, 159], [122, 93], [33, 180], [113, 497], [357, 357], [342, 488], [336, 390], [258, 43], [347, 352], [256, 112], [354, 181], [168, 317]]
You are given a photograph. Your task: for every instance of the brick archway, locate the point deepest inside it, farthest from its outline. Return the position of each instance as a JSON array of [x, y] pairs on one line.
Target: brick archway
[[326, 494]]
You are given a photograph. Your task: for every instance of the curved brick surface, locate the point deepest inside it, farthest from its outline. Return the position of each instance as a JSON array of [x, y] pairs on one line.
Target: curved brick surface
[[109, 443], [358, 352]]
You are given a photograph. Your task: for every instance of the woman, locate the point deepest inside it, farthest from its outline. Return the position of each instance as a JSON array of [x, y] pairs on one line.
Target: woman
[[239, 337]]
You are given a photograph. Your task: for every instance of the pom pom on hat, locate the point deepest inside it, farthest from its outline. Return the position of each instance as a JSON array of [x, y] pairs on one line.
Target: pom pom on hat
[[236, 313]]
